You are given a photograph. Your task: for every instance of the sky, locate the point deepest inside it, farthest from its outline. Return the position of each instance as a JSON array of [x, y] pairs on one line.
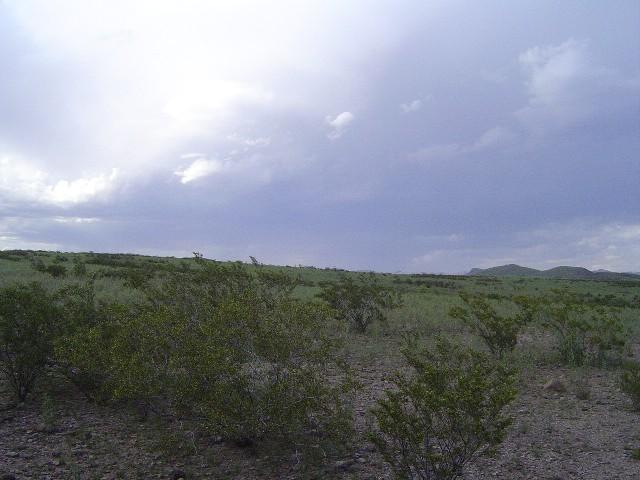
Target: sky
[[412, 136]]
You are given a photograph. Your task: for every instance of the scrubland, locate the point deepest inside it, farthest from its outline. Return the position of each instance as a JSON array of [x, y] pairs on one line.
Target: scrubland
[[125, 366]]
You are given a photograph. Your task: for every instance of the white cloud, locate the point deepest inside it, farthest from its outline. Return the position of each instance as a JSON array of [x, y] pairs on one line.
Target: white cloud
[[565, 87], [258, 142], [134, 93], [75, 220], [200, 167], [249, 142], [20, 181], [9, 242], [412, 106], [339, 124]]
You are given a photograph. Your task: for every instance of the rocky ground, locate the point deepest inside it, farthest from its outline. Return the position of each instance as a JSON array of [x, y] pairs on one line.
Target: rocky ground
[[579, 427]]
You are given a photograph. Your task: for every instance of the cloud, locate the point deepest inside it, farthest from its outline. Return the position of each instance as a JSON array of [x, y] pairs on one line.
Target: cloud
[[339, 124], [566, 87], [20, 182], [412, 106], [75, 220], [611, 246], [120, 87], [201, 167], [492, 138], [9, 242], [242, 89]]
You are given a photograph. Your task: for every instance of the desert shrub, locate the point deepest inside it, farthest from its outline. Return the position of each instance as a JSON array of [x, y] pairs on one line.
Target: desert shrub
[[630, 382], [78, 303], [584, 335], [56, 270], [28, 318], [229, 349], [38, 264], [500, 333], [79, 267], [245, 378], [360, 302], [445, 413], [83, 352], [60, 259]]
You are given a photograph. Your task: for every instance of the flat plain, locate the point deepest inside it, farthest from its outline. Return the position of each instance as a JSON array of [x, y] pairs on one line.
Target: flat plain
[[569, 421]]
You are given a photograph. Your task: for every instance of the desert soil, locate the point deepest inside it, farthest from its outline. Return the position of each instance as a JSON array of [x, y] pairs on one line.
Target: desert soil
[[587, 432]]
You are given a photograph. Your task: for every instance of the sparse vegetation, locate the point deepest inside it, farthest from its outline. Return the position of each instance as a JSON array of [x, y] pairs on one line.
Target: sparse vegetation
[[56, 270], [630, 382], [27, 327], [584, 335], [213, 357], [446, 413], [361, 301], [500, 333]]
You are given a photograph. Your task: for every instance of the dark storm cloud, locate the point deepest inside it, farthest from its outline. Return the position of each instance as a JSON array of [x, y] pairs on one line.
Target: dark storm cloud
[[442, 139]]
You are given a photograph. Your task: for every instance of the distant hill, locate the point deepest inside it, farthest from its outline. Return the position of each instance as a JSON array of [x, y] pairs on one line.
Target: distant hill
[[563, 272], [511, 270]]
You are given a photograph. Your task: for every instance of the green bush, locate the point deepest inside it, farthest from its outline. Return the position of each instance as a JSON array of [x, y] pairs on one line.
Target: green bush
[[499, 333], [38, 264], [28, 317], [584, 335], [630, 383], [229, 349], [360, 302], [79, 267], [56, 270], [83, 352], [445, 413]]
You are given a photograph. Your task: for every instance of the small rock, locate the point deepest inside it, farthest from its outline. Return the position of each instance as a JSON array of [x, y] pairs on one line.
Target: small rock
[[7, 476], [12, 454], [555, 385]]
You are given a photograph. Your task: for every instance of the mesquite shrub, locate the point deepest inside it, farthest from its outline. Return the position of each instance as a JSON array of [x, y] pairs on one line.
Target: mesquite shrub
[[28, 317], [585, 335], [229, 349], [447, 411], [360, 302], [500, 333]]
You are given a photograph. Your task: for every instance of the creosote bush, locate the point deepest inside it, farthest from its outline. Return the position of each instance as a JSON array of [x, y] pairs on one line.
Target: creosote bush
[[360, 302], [500, 333], [228, 349], [28, 318], [585, 335], [445, 413]]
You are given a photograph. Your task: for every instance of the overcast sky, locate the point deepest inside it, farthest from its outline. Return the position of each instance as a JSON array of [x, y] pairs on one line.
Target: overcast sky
[[416, 136]]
